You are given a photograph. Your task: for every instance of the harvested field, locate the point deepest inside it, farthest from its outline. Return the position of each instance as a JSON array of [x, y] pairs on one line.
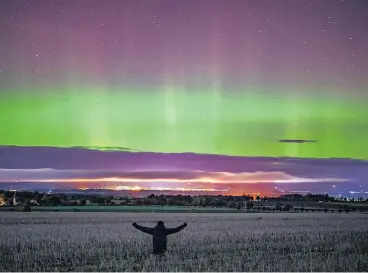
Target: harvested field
[[97, 241]]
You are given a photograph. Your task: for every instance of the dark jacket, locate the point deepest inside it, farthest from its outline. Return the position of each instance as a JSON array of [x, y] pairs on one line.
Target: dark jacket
[[159, 233]]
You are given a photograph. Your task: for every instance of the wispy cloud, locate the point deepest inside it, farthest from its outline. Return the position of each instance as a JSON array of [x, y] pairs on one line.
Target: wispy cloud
[[107, 148], [296, 141], [52, 175]]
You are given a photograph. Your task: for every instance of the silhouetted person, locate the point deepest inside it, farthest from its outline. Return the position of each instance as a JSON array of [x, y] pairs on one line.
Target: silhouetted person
[[159, 233]]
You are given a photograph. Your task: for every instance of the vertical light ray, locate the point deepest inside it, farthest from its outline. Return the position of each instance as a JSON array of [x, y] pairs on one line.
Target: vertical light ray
[[216, 90], [217, 76], [170, 109], [99, 114]]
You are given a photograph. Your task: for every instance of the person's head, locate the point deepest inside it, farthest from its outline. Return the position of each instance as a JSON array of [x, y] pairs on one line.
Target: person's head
[[160, 223]]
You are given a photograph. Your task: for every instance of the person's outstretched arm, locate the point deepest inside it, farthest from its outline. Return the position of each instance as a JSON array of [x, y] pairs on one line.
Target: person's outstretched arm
[[144, 229], [175, 230]]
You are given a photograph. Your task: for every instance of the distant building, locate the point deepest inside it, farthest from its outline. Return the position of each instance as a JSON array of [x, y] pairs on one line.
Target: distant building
[[2, 200], [34, 202]]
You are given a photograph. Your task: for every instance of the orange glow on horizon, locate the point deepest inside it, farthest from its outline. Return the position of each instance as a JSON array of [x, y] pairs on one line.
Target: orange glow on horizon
[[171, 180], [138, 188], [134, 180]]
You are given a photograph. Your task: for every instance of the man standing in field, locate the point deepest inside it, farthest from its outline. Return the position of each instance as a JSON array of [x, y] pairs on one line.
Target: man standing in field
[[159, 233]]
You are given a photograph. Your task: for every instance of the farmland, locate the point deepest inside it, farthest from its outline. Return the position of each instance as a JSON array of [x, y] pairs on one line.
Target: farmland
[[99, 241]]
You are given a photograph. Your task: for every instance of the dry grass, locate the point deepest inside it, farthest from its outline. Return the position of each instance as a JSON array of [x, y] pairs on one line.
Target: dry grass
[[211, 242]]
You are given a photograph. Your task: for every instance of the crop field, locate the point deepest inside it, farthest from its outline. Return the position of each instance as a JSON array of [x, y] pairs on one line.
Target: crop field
[[148, 209], [100, 241]]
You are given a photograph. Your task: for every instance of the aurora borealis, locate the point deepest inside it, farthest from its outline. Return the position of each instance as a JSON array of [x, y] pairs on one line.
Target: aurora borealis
[[251, 79], [180, 121]]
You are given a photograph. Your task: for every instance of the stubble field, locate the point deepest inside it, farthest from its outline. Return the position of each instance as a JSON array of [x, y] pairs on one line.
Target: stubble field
[[82, 241]]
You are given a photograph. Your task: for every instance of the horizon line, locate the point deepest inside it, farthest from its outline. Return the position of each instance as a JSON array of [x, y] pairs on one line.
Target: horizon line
[[105, 149]]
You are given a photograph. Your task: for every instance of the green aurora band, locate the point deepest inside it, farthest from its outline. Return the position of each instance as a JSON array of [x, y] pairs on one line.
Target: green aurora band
[[201, 119]]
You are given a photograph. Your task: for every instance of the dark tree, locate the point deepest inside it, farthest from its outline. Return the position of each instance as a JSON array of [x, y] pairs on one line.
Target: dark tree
[[212, 203], [288, 207], [239, 205], [171, 202], [53, 200], [231, 204], [250, 205], [220, 203], [98, 200], [26, 207], [326, 198]]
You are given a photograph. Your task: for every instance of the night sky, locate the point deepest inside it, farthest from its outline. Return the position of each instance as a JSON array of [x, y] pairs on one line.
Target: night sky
[[240, 80]]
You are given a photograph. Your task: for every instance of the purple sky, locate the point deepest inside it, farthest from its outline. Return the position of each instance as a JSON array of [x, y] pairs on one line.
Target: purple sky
[[284, 42]]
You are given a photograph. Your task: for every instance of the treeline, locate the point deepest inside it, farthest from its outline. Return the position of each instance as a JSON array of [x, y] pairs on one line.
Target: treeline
[[10, 198], [316, 198]]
